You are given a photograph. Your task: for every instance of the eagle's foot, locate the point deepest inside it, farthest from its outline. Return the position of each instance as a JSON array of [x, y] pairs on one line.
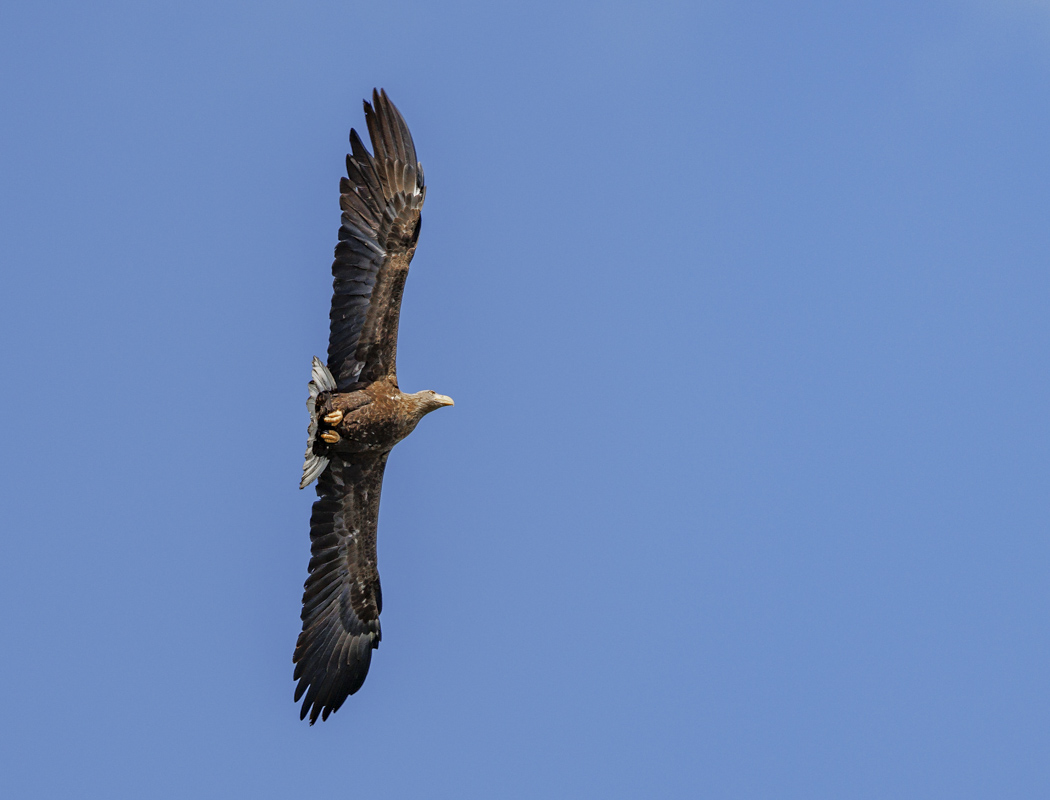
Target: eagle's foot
[[330, 436], [334, 418]]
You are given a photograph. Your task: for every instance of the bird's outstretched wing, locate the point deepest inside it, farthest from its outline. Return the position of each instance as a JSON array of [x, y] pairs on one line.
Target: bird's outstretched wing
[[342, 598], [381, 198]]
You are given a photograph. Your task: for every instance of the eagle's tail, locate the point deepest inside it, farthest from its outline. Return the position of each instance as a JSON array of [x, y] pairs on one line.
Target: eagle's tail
[[321, 380]]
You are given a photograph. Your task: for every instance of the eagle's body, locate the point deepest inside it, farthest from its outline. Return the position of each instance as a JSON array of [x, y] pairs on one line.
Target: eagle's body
[[357, 411], [376, 417]]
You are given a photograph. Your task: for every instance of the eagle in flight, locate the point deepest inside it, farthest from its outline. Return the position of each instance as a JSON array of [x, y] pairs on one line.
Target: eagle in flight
[[357, 411]]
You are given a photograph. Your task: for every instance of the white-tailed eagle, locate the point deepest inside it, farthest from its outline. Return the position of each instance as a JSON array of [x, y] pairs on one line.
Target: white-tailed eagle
[[357, 411]]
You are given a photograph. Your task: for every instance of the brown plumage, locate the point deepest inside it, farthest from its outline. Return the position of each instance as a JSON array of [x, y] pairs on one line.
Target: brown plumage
[[357, 411]]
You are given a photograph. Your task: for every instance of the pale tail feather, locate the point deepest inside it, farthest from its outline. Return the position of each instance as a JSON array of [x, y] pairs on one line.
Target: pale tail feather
[[321, 380]]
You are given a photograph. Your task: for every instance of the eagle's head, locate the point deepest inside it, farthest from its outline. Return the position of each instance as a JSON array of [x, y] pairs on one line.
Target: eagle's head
[[430, 401]]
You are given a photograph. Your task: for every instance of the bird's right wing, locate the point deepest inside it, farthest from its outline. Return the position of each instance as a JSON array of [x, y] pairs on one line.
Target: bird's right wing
[[342, 598], [381, 198]]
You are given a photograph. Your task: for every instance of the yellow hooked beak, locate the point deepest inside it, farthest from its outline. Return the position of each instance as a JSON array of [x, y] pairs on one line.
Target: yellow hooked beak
[[444, 400]]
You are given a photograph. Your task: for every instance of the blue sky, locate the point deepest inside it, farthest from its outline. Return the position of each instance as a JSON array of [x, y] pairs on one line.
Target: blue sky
[[744, 310]]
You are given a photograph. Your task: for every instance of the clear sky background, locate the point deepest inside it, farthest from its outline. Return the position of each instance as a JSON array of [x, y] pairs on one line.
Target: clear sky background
[[744, 307]]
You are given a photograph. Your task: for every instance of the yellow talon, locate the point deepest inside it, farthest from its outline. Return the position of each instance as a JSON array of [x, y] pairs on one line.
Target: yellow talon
[[334, 418], [330, 436]]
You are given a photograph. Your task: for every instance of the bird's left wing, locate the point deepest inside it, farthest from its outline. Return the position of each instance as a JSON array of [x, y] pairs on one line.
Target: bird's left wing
[[342, 598]]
